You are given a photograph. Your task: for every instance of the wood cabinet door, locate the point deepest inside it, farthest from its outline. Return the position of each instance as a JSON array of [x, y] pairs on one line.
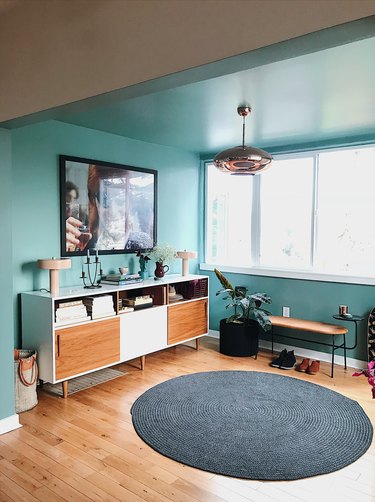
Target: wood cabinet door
[[187, 320], [83, 348]]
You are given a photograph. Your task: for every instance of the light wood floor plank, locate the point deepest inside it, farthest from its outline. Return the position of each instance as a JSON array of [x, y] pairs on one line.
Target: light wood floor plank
[[85, 448]]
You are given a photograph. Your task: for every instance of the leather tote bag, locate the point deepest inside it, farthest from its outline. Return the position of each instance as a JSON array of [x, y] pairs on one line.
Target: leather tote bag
[[25, 379]]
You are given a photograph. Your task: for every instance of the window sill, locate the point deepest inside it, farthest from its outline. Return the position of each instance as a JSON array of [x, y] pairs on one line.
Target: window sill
[[292, 274]]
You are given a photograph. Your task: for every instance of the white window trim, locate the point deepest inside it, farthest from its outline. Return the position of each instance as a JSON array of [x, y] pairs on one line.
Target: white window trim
[[291, 274], [310, 275]]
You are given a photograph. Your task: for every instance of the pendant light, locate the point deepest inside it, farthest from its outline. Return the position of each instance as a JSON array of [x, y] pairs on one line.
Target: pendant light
[[243, 159]]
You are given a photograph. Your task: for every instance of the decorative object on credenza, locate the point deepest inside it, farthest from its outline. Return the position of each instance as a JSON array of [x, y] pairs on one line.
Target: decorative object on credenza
[[186, 256], [160, 270], [91, 278], [143, 259], [123, 270], [173, 296], [54, 265], [243, 159], [162, 253]]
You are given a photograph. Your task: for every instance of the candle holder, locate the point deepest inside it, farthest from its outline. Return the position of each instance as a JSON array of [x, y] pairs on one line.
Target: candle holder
[[91, 278]]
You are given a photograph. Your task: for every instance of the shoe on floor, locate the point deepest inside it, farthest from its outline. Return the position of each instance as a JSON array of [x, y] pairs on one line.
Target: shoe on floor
[[289, 361], [304, 365], [313, 368], [278, 361]]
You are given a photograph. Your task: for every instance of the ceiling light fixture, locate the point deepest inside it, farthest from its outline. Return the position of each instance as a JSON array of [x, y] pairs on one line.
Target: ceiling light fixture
[[243, 159]]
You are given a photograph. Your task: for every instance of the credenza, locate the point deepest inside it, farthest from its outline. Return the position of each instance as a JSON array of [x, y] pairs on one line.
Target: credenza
[[68, 351]]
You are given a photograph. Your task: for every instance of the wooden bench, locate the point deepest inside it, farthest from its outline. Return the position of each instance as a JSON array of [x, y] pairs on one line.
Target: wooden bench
[[324, 329]]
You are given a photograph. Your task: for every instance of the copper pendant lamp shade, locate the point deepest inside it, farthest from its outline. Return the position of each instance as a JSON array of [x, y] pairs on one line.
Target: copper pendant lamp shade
[[243, 159]]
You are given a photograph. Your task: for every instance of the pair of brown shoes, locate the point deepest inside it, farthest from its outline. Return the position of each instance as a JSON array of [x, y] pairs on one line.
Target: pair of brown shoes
[[310, 369]]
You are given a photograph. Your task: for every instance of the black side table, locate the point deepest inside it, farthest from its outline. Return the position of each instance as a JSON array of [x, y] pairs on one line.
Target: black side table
[[352, 318]]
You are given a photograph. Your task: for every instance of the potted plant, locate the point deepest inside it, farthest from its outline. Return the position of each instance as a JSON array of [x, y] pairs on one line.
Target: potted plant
[[162, 253], [143, 259], [239, 333]]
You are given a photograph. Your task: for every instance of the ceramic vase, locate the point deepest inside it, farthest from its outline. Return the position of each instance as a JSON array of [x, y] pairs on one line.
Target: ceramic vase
[[160, 269]]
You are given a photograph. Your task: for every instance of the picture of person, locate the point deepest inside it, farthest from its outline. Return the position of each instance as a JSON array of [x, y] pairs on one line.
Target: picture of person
[[107, 207], [77, 234]]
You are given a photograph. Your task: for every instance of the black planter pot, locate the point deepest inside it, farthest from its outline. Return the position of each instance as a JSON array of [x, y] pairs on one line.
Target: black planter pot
[[239, 339]]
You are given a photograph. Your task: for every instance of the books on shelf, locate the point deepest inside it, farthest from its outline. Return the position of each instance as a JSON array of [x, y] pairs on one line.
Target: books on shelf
[[71, 303], [118, 279], [99, 306], [66, 322], [125, 309], [100, 315], [71, 312], [138, 302]]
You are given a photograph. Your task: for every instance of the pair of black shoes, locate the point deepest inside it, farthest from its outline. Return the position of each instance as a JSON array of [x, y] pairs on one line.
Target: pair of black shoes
[[285, 361]]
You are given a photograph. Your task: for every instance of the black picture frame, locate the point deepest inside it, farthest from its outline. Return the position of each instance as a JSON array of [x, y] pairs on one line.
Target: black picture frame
[[106, 207]]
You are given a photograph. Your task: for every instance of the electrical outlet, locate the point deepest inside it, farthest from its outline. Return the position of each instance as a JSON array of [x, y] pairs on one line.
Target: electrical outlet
[[286, 311]]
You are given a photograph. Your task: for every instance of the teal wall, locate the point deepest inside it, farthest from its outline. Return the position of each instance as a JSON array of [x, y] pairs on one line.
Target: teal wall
[[313, 300], [6, 302], [29, 203], [36, 197]]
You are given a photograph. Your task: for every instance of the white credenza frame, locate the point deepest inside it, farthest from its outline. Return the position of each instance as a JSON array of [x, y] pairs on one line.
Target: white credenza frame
[[136, 334]]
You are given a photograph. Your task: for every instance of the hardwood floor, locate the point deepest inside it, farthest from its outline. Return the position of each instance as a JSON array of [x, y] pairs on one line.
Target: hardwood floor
[[85, 447]]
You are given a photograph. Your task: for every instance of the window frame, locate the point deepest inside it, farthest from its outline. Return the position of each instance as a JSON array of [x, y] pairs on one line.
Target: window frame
[[254, 267]]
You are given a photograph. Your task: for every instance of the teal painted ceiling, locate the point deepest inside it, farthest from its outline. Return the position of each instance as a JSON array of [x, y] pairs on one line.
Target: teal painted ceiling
[[300, 91]]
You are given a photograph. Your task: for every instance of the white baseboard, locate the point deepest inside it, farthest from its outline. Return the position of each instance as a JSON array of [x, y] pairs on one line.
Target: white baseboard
[[302, 352], [9, 424]]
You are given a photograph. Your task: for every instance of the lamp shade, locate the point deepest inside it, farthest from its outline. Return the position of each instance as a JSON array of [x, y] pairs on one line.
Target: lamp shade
[[243, 159], [54, 265]]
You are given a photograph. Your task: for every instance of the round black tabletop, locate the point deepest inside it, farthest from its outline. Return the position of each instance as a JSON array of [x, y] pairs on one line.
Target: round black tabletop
[[351, 317]]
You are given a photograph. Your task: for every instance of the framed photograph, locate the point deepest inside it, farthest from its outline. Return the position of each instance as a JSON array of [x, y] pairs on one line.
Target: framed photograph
[[106, 207]]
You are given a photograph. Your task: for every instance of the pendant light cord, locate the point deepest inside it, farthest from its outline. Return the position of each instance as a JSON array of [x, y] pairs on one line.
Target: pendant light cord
[[243, 131]]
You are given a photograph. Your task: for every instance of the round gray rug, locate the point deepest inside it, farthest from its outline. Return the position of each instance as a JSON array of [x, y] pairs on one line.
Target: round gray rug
[[252, 425]]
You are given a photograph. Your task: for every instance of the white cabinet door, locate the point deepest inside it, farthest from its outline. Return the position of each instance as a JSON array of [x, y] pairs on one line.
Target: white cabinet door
[[142, 332]]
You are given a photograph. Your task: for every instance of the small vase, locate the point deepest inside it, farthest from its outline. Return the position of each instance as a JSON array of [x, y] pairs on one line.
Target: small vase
[[160, 269], [143, 274]]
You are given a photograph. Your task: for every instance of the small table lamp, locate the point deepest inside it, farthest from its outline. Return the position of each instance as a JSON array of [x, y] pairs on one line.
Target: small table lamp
[[54, 265], [186, 256]]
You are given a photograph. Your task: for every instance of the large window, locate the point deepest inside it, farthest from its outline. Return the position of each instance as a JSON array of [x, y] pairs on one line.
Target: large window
[[228, 210], [312, 212]]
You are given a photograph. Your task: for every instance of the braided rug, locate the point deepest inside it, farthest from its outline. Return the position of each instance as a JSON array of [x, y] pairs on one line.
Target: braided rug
[[252, 425]]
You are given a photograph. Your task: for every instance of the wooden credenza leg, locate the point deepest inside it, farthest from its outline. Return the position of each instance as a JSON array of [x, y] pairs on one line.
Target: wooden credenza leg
[[65, 388], [197, 340], [143, 362]]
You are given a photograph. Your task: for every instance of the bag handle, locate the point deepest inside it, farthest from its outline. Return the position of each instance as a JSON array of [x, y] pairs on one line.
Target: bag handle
[[34, 374]]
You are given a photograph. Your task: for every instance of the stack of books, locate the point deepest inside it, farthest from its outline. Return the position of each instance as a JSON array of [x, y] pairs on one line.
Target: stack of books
[[99, 306], [121, 280], [139, 302], [70, 312]]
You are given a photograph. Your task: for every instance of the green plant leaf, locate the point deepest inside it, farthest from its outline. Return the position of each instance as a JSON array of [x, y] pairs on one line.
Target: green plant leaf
[[223, 280]]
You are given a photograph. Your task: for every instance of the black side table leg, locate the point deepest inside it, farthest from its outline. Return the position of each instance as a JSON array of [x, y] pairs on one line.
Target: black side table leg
[[333, 354], [345, 350]]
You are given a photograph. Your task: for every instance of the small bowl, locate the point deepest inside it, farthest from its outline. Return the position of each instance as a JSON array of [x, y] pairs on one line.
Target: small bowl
[[123, 270]]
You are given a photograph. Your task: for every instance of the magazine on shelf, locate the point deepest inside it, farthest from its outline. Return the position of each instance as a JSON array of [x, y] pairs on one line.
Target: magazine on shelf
[[72, 312], [119, 277], [77, 320], [72, 303], [120, 283]]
